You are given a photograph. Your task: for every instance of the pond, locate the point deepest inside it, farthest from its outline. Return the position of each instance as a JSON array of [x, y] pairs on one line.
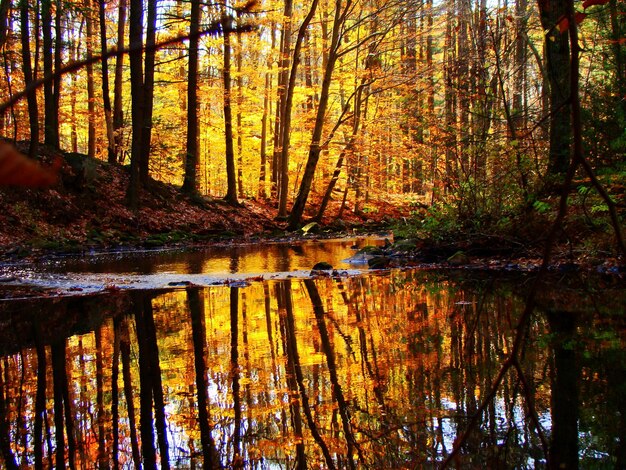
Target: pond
[[385, 369]]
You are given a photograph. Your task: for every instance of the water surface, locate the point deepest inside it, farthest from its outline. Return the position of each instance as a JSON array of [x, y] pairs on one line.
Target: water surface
[[202, 266], [372, 370]]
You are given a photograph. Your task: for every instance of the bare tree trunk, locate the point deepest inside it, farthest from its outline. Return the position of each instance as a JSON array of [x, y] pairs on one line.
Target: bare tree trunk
[[33, 109], [5, 430], [519, 114], [283, 78], [101, 419], [449, 98], [231, 176], [463, 83], [115, 396], [91, 95], [74, 52], [106, 99], [135, 39], [238, 64], [40, 396], [190, 183], [118, 111], [148, 92], [5, 6], [51, 119], [557, 53], [262, 192]]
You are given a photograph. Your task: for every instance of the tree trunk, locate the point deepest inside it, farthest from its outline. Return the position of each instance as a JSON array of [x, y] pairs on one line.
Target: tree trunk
[[315, 149], [5, 6], [463, 83], [262, 192], [231, 176], [106, 99], [190, 183], [283, 77], [557, 53], [118, 111], [451, 176], [73, 56], [519, 113], [618, 30], [135, 38], [51, 119], [56, 82], [91, 95], [148, 92], [198, 328], [286, 113], [238, 62], [33, 110]]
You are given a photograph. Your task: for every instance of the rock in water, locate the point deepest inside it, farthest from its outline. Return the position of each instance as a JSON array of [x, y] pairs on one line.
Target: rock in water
[[322, 266], [458, 259]]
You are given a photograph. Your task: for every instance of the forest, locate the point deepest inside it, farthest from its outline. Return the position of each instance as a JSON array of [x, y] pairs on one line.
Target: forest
[[312, 234], [471, 116]]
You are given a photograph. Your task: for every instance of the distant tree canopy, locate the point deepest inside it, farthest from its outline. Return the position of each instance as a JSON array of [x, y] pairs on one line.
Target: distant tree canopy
[[342, 104]]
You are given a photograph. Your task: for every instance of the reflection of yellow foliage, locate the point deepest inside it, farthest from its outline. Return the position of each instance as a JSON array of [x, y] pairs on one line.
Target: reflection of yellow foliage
[[399, 342]]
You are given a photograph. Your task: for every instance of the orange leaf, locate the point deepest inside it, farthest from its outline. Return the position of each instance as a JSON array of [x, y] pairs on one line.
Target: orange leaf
[[563, 25], [18, 170], [590, 3]]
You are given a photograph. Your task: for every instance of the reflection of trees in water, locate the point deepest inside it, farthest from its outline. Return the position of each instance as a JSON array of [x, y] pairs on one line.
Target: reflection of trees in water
[[151, 386], [372, 371]]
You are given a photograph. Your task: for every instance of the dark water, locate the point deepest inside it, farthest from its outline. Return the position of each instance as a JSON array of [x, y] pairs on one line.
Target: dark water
[[382, 370]]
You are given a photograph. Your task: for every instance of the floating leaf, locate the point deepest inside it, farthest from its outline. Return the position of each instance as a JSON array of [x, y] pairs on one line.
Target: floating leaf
[[18, 170]]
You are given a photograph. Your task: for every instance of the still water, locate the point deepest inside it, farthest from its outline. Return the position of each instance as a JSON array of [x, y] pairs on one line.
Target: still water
[[375, 370]]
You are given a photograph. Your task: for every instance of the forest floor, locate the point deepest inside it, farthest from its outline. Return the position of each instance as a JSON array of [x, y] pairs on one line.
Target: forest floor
[[87, 210]]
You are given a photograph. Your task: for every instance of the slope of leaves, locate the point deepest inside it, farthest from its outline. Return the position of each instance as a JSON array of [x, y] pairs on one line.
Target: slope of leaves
[[87, 209]]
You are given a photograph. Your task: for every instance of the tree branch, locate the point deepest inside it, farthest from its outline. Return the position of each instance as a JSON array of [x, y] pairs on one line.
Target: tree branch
[[214, 28]]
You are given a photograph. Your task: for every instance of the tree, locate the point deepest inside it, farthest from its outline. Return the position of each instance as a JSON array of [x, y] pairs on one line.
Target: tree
[[29, 78], [262, 192], [142, 94], [91, 92], [286, 113], [148, 91], [118, 112], [190, 183], [315, 148], [51, 87], [106, 99], [5, 6], [231, 193], [283, 78], [135, 39], [557, 56]]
